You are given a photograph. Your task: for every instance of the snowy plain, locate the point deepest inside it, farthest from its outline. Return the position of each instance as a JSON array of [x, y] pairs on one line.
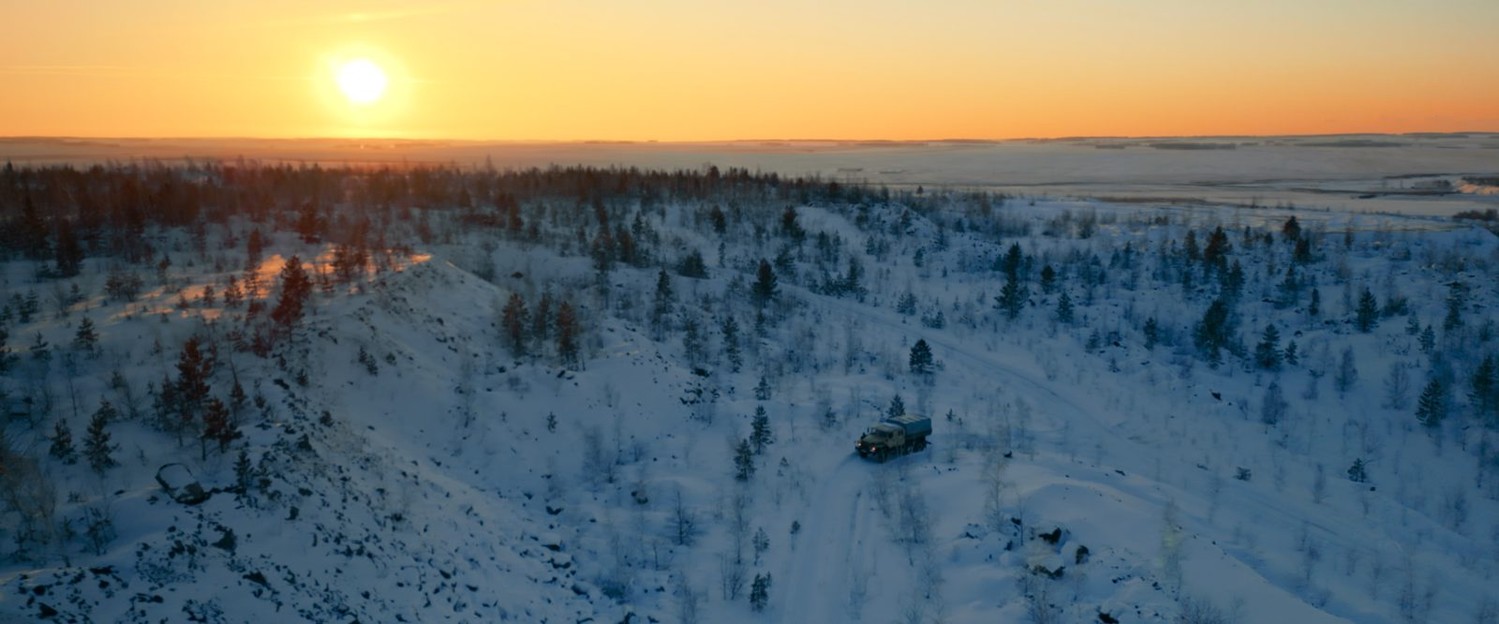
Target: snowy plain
[[1080, 471]]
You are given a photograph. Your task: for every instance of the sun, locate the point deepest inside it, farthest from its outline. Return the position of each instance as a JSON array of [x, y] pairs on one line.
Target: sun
[[361, 81]]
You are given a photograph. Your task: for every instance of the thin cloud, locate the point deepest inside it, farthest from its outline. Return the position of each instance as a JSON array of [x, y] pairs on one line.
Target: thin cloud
[[360, 17]]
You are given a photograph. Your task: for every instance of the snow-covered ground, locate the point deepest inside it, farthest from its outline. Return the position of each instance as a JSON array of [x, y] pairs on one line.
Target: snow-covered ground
[[407, 465]]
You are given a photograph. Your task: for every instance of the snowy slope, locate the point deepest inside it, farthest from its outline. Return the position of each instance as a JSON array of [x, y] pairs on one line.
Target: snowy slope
[[447, 479]]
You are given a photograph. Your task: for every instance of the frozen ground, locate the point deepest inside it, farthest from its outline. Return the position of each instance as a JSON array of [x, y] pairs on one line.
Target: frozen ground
[[1079, 473]]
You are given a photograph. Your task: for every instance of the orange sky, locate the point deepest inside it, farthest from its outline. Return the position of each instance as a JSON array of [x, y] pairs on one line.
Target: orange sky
[[694, 70]]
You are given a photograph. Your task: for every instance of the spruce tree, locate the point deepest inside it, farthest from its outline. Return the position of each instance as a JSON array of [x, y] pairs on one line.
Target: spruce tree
[[194, 368], [513, 322], [1431, 408], [85, 339], [1484, 390], [296, 288], [1011, 299], [1152, 333], [921, 358], [759, 592], [1267, 353], [1457, 297], [1011, 261], [1064, 309], [897, 407], [760, 434], [217, 427], [1048, 279], [1367, 315], [744, 461], [568, 330], [1215, 331], [731, 344], [906, 305], [62, 442], [764, 289], [244, 472], [1358, 472], [661, 307], [96, 446], [1215, 254]]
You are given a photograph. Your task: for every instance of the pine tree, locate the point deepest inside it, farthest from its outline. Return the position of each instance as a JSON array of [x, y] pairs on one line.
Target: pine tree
[[193, 371], [897, 407], [694, 345], [1011, 299], [216, 427], [1484, 390], [744, 461], [853, 280], [1431, 408], [1215, 331], [1367, 315], [661, 309], [921, 358], [1064, 309], [759, 592], [1048, 279], [513, 319], [764, 289], [62, 442], [567, 333], [762, 389], [1152, 333], [244, 472], [85, 339], [731, 344], [1011, 261], [1291, 229], [692, 265], [1215, 254], [96, 446], [1358, 472], [296, 288], [1315, 307], [69, 254], [760, 434], [1428, 340], [1457, 297], [906, 305], [1303, 252], [1292, 355], [1267, 352]]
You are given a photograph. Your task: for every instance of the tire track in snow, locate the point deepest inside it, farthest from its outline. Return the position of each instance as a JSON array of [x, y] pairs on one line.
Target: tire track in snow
[[1267, 508], [826, 553]]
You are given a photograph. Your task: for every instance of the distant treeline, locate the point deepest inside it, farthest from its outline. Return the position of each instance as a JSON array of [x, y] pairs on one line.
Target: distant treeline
[[110, 210]]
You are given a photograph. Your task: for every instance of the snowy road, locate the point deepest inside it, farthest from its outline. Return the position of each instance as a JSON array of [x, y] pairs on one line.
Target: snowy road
[[822, 583]]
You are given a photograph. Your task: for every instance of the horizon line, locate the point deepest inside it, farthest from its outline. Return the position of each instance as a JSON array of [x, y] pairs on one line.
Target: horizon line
[[871, 140]]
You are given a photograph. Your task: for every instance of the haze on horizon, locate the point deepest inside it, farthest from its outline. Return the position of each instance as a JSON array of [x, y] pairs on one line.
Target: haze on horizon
[[673, 70]]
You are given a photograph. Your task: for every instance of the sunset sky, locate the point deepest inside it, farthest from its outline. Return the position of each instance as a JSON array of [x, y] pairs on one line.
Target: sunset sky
[[678, 70]]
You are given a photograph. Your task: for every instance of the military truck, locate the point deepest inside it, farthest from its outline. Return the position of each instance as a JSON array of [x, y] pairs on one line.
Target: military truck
[[893, 437]]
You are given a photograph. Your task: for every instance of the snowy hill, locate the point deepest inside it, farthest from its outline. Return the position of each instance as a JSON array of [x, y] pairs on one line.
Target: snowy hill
[[505, 402]]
